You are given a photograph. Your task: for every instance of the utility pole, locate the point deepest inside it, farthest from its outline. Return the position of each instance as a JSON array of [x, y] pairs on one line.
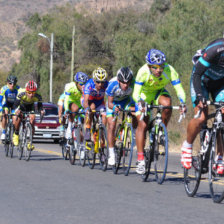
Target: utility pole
[[73, 48]]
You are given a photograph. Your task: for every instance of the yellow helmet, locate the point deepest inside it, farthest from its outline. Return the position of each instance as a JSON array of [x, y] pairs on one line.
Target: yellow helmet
[[100, 74]]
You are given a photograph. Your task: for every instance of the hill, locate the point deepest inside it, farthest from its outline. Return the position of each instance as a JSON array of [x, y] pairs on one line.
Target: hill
[[15, 13]]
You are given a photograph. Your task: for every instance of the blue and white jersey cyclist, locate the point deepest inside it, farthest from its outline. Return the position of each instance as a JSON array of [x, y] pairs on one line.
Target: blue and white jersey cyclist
[[119, 92], [8, 95], [207, 78], [94, 92]]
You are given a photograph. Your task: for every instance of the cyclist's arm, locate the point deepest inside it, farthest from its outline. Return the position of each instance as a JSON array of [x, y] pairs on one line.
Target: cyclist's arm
[[86, 101], [139, 82], [110, 102], [175, 81]]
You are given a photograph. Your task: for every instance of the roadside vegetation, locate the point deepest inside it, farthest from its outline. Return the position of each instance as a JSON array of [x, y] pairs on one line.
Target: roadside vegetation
[[119, 38]]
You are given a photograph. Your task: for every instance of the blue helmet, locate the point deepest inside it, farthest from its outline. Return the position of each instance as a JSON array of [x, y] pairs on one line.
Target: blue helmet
[[81, 78], [155, 57]]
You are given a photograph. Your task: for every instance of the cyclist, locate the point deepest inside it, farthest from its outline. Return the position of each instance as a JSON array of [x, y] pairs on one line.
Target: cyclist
[[25, 103], [73, 94], [94, 92], [8, 95], [119, 93], [207, 78], [61, 111], [149, 87]]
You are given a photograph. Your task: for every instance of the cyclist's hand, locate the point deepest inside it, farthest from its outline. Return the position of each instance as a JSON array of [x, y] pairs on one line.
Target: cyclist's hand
[[87, 110], [42, 112], [116, 108], [67, 112], [183, 108], [18, 112], [141, 106], [201, 101]]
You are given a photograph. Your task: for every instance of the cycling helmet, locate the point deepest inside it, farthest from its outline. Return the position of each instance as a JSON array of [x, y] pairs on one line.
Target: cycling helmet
[[12, 79], [100, 75], [31, 86], [155, 57], [81, 78], [124, 74]]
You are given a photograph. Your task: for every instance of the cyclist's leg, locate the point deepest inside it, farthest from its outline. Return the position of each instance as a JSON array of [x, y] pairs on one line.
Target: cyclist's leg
[[163, 98], [219, 96], [16, 123], [4, 121], [140, 140], [193, 128]]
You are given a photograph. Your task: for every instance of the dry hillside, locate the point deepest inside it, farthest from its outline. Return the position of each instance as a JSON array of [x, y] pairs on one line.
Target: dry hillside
[[14, 13]]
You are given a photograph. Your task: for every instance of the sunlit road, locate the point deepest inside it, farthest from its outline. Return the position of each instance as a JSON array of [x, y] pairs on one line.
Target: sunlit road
[[48, 190]]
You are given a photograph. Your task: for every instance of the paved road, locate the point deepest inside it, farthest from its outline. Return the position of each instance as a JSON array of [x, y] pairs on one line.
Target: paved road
[[48, 189]]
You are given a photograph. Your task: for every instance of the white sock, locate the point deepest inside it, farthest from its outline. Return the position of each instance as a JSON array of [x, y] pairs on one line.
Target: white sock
[[187, 145], [111, 151]]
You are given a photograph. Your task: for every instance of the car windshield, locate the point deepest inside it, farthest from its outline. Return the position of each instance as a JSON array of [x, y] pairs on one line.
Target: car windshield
[[51, 110]]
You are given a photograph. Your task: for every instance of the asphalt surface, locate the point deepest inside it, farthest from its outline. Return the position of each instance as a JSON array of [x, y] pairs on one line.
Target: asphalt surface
[[47, 189]]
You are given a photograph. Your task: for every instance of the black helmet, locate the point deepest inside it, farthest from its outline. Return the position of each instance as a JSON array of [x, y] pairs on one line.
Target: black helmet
[[124, 74], [12, 79]]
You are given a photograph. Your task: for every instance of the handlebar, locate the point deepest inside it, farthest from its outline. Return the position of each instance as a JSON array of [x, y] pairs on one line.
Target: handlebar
[[160, 107]]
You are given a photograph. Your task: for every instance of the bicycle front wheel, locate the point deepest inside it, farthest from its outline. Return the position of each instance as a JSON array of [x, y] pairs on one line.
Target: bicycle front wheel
[[161, 153], [103, 148], [28, 142], [80, 146], [11, 145], [192, 176], [72, 154], [216, 179], [128, 149], [7, 140], [90, 154], [21, 142]]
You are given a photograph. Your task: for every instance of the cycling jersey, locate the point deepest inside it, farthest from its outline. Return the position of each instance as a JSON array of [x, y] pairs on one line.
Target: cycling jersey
[[72, 95], [147, 86], [24, 103], [95, 96], [209, 68], [7, 96]]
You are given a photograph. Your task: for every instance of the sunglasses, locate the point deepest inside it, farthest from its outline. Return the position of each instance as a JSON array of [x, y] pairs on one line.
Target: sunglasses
[[98, 82], [30, 92], [11, 83], [158, 66]]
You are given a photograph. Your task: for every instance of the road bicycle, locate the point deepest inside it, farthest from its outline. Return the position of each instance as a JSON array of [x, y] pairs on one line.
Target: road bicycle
[[8, 144], [98, 144], [204, 161], [124, 142], [25, 136], [78, 147], [156, 148]]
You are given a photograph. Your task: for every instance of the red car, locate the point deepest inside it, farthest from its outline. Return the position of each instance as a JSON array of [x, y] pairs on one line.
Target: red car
[[49, 127]]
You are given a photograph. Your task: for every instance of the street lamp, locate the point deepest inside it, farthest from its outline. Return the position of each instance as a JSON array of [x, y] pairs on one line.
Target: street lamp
[[51, 42]]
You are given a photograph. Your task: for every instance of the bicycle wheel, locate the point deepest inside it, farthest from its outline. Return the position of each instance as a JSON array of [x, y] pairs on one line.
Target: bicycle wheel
[[90, 154], [192, 176], [7, 140], [28, 142], [72, 154], [21, 142], [118, 148], [161, 153], [128, 149], [148, 153], [103, 148], [64, 151], [11, 145], [80, 146], [216, 181]]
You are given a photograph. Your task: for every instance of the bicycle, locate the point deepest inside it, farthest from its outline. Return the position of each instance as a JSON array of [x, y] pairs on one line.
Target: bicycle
[[78, 144], [25, 136], [64, 143], [8, 144], [205, 160], [98, 144], [124, 142], [156, 149]]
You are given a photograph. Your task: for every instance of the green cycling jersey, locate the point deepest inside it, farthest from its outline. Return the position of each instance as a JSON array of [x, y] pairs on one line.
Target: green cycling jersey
[[147, 84], [72, 95]]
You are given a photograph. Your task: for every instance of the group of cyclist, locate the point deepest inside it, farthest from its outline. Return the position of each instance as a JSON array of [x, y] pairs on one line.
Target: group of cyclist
[[126, 92], [16, 100]]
